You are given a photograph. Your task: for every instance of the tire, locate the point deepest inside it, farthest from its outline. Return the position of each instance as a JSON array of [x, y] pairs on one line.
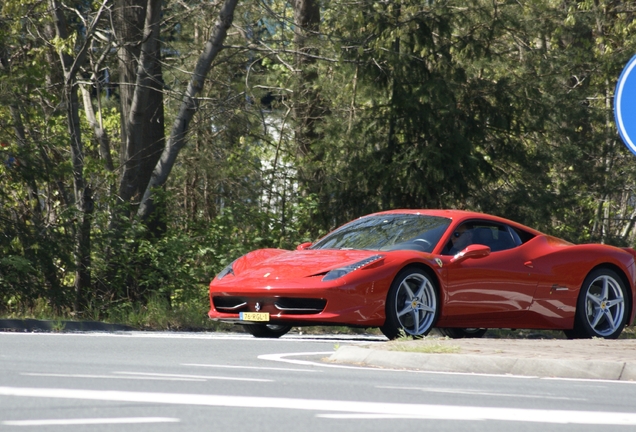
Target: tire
[[463, 333], [601, 309], [412, 304], [271, 331]]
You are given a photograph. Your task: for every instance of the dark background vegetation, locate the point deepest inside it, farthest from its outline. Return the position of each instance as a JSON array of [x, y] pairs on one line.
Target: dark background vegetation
[[312, 112]]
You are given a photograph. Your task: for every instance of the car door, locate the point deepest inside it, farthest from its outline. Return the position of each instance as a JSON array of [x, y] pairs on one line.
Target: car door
[[493, 291]]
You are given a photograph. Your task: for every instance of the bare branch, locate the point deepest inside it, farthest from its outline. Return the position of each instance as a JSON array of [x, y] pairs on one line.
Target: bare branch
[[189, 106]]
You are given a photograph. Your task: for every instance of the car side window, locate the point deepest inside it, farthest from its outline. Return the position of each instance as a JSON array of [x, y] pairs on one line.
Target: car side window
[[496, 236], [462, 237]]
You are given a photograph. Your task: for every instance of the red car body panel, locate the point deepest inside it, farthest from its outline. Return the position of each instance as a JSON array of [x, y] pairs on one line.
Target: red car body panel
[[534, 285]]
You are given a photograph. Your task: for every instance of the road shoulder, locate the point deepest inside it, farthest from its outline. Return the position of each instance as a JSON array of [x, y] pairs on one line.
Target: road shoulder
[[579, 359], [35, 325]]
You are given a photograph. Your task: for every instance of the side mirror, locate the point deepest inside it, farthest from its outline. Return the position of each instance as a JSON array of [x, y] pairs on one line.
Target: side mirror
[[472, 251], [303, 246]]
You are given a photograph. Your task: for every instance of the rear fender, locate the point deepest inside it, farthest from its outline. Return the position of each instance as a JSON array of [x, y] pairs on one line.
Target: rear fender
[[630, 250]]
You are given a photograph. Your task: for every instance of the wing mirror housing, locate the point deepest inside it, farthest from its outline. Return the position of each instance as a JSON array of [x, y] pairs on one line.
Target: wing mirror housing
[[304, 246], [473, 251]]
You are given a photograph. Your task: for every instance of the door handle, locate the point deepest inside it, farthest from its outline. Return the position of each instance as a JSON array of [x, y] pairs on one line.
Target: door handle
[[528, 264]]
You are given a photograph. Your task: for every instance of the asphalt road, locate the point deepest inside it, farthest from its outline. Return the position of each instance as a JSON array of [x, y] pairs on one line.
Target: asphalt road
[[202, 382]]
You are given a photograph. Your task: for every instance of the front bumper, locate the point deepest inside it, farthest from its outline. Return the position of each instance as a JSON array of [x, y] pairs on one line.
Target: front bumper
[[359, 304]]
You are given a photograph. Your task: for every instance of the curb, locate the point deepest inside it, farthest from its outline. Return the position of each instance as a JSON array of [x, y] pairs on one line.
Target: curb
[[492, 365], [33, 325]]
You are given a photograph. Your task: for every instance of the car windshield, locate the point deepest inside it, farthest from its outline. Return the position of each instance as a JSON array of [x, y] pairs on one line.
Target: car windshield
[[387, 232]]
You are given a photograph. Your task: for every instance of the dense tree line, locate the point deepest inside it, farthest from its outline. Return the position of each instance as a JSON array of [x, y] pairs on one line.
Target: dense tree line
[[147, 143]]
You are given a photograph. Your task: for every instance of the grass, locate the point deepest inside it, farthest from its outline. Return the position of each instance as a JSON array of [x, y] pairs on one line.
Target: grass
[[40, 309], [524, 334], [427, 346], [58, 326], [431, 344], [159, 314], [628, 333]]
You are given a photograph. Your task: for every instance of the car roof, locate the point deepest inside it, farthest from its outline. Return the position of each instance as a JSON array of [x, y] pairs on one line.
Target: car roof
[[458, 216]]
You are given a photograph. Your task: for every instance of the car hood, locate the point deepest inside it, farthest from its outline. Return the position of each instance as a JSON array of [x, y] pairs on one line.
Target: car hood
[[279, 264]]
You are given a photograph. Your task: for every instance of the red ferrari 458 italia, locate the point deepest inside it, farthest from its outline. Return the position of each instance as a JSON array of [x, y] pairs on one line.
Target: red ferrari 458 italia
[[408, 271]]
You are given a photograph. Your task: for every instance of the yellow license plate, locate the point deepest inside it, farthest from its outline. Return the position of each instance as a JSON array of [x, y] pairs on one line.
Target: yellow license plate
[[254, 316]]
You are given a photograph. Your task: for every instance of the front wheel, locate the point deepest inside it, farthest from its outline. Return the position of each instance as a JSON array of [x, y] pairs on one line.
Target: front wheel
[[271, 331], [601, 306], [412, 305]]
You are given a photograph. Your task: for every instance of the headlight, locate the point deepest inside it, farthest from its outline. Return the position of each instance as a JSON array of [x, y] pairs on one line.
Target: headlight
[[229, 269], [340, 272]]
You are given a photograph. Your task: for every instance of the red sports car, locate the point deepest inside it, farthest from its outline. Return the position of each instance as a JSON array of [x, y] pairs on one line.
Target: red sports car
[[412, 270]]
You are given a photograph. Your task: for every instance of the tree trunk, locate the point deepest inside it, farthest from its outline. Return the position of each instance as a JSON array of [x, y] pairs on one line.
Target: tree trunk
[[83, 194], [98, 130], [141, 90], [189, 105], [307, 106]]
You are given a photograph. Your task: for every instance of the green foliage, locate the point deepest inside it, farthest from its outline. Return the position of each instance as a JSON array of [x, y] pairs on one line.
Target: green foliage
[[502, 107], [498, 107], [178, 267]]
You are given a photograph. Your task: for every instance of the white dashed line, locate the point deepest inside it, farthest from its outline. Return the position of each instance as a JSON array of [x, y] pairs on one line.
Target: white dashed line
[[248, 367], [342, 408], [148, 378], [193, 377], [89, 421]]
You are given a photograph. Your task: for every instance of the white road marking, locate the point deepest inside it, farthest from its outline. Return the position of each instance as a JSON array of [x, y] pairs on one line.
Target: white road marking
[[248, 367], [89, 421], [478, 393], [589, 380], [53, 375], [194, 377], [364, 416], [280, 358], [353, 409], [147, 376], [350, 339]]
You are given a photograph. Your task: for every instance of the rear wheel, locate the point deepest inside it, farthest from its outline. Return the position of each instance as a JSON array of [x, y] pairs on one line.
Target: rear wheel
[[601, 306], [412, 305], [272, 331], [463, 333]]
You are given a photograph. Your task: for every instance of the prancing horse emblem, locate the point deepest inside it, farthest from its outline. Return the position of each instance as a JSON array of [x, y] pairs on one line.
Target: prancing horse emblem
[[257, 307]]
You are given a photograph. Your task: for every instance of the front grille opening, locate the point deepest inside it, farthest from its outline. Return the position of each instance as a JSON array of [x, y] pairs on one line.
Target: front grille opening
[[229, 304], [300, 306]]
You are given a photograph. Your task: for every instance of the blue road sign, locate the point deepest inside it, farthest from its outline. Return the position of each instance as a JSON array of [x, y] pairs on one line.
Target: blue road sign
[[625, 105]]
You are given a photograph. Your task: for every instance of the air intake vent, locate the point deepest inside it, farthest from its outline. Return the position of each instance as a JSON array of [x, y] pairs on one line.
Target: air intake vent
[[300, 306], [229, 304]]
